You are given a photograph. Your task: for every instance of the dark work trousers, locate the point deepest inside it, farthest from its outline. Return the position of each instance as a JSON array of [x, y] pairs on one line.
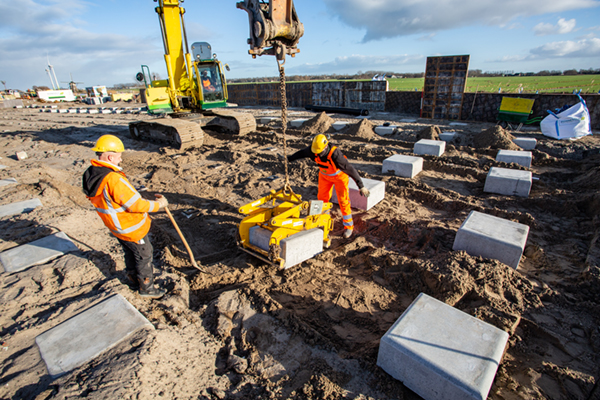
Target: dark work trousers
[[138, 260]]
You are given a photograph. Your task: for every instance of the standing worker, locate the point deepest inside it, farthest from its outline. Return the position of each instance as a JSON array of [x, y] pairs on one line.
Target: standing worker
[[334, 170], [123, 211]]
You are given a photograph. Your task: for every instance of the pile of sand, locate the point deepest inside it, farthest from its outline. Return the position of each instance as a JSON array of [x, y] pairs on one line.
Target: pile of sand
[[364, 129], [430, 132], [494, 138], [318, 124]]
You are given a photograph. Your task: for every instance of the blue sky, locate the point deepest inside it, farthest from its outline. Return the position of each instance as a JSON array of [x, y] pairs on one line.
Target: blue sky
[[105, 42]]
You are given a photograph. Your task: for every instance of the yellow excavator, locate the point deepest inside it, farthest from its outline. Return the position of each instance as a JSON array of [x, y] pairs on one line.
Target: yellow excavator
[[193, 96]]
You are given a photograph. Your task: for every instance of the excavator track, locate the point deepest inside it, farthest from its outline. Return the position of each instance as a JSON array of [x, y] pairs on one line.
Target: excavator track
[[177, 133], [233, 121]]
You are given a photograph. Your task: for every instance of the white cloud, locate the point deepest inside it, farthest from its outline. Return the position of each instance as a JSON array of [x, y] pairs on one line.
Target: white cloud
[[391, 18], [569, 49], [563, 26]]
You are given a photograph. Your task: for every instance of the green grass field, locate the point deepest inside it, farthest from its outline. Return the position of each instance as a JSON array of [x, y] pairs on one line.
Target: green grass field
[[512, 84]]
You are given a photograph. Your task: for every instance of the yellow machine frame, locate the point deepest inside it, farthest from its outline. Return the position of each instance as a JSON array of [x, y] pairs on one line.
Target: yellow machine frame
[[282, 217]]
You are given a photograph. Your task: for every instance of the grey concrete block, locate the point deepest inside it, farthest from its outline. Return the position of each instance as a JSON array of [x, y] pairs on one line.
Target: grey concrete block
[[408, 120], [404, 166], [2, 166], [440, 352], [385, 130], [492, 237], [522, 158], [301, 246], [339, 125], [525, 143], [430, 147], [510, 182], [295, 249], [447, 136], [297, 123], [8, 181], [267, 120], [377, 189], [88, 334], [37, 252], [19, 207]]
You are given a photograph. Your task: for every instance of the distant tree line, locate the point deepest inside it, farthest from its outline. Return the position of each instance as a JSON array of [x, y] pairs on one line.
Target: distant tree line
[[479, 73]]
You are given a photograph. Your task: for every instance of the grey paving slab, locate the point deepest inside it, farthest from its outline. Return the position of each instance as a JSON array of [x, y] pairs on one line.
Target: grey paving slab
[[37, 252], [440, 352], [522, 158], [492, 237], [19, 207], [510, 182], [401, 165], [377, 189], [88, 334], [295, 249], [9, 181], [430, 147]]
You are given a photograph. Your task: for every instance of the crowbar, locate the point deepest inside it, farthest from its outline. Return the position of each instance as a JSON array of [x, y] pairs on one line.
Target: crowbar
[[185, 242]]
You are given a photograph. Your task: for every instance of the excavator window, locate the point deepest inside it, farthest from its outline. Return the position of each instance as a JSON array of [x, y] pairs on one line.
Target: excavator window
[[210, 80]]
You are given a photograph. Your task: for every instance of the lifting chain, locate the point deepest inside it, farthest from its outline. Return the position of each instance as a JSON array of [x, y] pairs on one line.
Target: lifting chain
[[286, 186]]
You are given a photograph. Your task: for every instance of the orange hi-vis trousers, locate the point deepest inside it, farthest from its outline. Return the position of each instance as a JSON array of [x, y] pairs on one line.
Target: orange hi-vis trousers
[[340, 180]]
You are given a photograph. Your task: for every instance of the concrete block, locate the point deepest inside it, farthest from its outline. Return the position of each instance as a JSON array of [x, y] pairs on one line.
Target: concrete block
[[430, 147], [525, 143], [447, 136], [440, 352], [72, 111], [294, 249], [62, 110], [457, 124], [297, 123], [510, 182], [106, 111], [268, 120], [92, 111], [37, 252], [377, 189], [21, 155], [339, 125], [8, 181], [2, 166], [19, 207], [88, 334], [492, 237], [522, 158], [385, 130], [408, 120], [404, 166]]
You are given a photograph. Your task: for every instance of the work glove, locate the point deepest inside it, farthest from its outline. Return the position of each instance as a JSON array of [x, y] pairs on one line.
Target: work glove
[[162, 201], [364, 192]]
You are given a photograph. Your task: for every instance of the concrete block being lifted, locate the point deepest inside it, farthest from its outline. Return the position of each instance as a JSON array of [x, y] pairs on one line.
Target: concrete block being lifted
[[37, 252], [295, 249], [430, 147], [525, 143], [510, 182], [88, 334], [19, 207], [492, 237], [440, 352], [376, 188], [404, 166], [522, 158], [297, 123]]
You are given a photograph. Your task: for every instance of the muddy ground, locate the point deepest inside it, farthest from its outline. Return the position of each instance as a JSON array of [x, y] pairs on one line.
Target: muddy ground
[[249, 331]]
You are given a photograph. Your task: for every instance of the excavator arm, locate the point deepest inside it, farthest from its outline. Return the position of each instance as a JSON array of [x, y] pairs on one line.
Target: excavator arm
[[274, 27]]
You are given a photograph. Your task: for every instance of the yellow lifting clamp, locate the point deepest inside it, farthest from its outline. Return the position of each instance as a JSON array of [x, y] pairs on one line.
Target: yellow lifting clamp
[[280, 212]]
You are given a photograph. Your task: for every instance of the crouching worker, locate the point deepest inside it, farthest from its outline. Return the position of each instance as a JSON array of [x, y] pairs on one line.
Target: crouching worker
[[334, 170], [123, 211]]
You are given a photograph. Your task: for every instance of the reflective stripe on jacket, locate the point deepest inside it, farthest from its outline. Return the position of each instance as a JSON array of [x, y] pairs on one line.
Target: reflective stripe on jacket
[[121, 207]]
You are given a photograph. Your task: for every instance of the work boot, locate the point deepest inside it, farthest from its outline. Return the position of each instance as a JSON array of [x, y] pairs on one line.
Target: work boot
[[347, 233], [148, 290]]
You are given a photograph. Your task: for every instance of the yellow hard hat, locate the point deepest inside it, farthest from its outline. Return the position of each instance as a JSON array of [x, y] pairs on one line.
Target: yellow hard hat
[[109, 143], [319, 143]]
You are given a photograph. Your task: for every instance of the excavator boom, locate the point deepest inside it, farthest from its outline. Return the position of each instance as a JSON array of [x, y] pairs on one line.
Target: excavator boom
[[274, 27]]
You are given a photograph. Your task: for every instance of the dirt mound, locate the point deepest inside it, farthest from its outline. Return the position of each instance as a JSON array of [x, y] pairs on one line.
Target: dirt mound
[[318, 124], [364, 129], [494, 138], [431, 132]]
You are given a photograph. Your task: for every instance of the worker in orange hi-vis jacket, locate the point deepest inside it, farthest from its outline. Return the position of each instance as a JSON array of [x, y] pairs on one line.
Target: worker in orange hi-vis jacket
[[334, 170], [123, 211]]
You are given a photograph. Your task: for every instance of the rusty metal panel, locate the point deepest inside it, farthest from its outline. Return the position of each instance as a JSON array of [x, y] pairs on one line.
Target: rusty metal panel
[[445, 82]]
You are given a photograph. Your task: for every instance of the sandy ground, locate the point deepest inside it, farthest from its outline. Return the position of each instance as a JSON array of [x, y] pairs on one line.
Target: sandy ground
[[248, 331]]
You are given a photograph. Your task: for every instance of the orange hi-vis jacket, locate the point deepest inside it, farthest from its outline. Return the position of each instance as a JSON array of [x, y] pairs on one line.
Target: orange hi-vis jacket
[[121, 207], [328, 168]]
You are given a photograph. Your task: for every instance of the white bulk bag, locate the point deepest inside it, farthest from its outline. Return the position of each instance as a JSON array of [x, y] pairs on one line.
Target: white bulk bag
[[572, 123]]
